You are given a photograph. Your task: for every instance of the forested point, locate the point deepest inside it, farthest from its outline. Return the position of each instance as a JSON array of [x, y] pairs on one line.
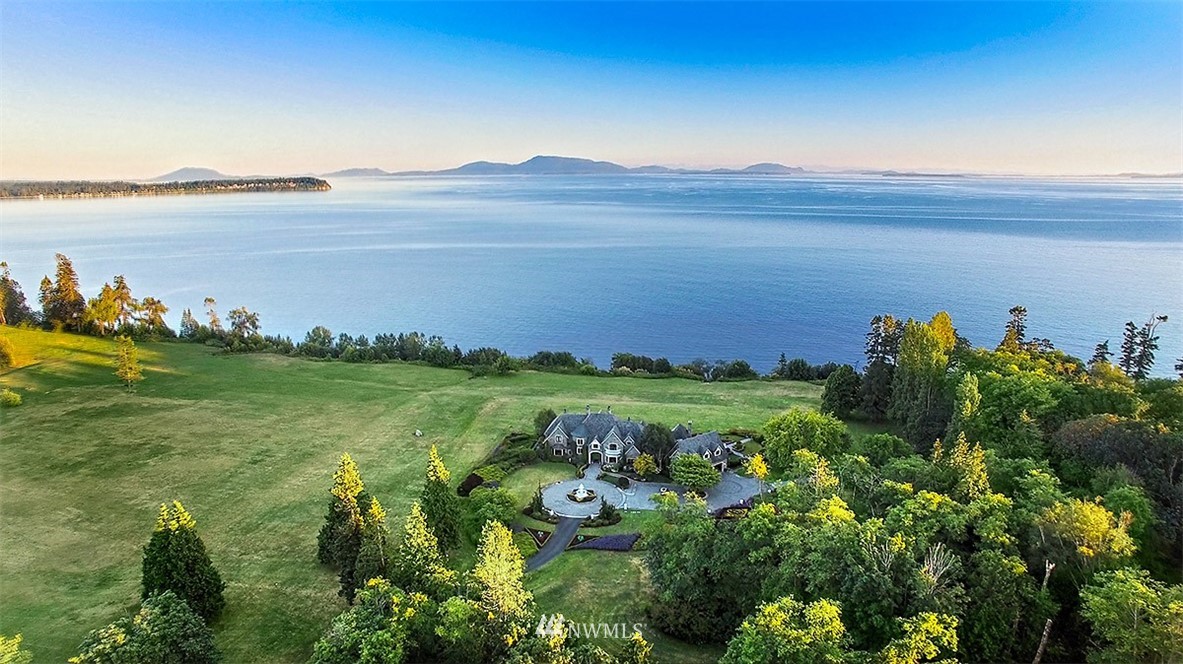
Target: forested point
[[88, 189]]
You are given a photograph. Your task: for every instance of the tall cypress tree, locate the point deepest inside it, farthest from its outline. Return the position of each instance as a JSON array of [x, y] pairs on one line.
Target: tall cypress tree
[[373, 556], [417, 565], [440, 503], [175, 559], [343, 521]]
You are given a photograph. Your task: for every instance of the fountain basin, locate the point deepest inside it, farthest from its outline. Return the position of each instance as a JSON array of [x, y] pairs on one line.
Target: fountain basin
[[581, 495]]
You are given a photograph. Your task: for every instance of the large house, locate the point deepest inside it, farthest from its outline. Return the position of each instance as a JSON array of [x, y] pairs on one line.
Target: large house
[[604, 438]]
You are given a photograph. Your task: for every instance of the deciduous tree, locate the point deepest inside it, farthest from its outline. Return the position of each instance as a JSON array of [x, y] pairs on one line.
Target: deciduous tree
[[841, 395], [645, 465], [694, 472], [798, 428]]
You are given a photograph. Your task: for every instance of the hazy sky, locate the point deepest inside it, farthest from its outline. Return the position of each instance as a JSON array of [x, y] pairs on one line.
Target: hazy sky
[[134, 90]]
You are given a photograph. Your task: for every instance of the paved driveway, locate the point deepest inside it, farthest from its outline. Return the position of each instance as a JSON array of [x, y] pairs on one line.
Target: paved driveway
[[732, 489], [564, 532]]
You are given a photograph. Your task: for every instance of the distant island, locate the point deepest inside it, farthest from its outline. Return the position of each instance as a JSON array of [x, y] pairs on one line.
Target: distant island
[[552, 165], [92, 189]]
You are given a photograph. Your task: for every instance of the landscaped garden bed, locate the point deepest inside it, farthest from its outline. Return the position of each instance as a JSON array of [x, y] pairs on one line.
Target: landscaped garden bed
[[621, 542]]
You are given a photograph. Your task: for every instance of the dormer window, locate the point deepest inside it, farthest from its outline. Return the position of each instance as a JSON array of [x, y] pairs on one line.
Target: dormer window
[[718, 452], [578, 441]]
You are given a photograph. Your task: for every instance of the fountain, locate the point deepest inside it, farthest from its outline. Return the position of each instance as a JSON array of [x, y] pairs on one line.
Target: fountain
[[581, 494]]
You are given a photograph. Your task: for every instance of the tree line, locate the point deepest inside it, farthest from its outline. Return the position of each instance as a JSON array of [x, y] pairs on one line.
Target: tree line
[[87, 188], [1027, 506]]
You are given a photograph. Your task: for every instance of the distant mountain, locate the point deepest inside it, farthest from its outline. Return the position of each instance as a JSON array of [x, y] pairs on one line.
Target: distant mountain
[[768, 168], [358, 173], [192, 173], [540, 165], [551, 165]]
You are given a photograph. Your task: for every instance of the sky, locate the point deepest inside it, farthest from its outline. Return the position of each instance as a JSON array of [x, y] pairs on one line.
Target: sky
[[133, 90]]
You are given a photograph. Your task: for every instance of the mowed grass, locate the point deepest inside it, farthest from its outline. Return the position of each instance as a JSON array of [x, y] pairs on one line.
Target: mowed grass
[[249, 444], [609, 587]]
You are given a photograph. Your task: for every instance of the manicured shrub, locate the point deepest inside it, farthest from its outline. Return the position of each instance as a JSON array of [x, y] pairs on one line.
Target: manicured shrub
[[166, 629], [9, 398], [623, 542], [471, 482]]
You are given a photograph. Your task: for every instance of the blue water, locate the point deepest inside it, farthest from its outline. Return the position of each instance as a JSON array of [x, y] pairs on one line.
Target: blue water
[[680, 266]]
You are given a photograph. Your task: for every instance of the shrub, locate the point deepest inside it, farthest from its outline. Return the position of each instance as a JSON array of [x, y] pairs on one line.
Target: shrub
[[490, 473], [491, 504], [9, 398], [525, 544], [164, 630], [7, 353]]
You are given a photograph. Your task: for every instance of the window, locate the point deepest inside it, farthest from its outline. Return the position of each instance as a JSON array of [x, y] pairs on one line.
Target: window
[[558, 452], [579, 441], [718, 452]]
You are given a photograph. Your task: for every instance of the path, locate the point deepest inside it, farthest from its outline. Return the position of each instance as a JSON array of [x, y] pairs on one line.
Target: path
[[564, 532]]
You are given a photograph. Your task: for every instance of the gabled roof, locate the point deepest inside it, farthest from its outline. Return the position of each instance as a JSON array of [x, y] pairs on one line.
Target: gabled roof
[[595, 426], [703, 443], [680, 432]]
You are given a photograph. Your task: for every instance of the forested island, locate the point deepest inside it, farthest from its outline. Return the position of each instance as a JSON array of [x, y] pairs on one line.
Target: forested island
[[93, 189]]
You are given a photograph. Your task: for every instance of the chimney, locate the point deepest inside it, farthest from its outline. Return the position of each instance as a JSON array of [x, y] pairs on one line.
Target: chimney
[[609, 410], [587, 409], [690, 426]]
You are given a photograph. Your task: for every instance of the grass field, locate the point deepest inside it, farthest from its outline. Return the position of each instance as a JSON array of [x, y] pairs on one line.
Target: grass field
[[249, 444]]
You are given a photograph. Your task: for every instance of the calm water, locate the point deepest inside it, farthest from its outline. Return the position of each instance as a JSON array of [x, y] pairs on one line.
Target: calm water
[[715, 267]]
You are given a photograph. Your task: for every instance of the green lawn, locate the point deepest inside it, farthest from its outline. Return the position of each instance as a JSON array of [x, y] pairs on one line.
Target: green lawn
[[249, 444], [608, 587]]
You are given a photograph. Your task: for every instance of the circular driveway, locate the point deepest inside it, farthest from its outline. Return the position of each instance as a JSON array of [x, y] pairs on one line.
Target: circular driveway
[[554, 497]]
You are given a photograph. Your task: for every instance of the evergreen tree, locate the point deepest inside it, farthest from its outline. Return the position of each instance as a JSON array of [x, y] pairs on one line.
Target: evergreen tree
[[498, 589], [876, 390], [657, 441], [440, 503], [417, 565], [124, 302], [340, 535], [14, 309], [1127, 361], [1101, 353], [841, 395], [542, 420], [189, 326], [1147, 343], [45, 297], [883, 341], [967, 402], [127, 363], [373, 556], [1015, 338], [175, 560], [61, 300], [1179, 367]]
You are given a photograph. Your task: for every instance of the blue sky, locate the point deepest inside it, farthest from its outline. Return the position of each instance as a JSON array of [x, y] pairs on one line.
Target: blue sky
[[132, 90]]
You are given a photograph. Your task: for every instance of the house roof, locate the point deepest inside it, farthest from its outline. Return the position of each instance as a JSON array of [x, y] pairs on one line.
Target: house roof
[[595, 426], [703, 443], [681, 431]]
